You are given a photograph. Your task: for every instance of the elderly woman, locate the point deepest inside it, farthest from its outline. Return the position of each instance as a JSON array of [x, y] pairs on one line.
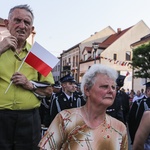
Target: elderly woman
[[89, 127]]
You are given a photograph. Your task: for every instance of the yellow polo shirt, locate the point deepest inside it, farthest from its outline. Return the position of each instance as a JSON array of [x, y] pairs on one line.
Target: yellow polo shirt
[[18, 98]]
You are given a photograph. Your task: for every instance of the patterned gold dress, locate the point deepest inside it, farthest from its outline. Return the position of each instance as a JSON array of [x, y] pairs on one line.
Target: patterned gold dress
[[69, 131]]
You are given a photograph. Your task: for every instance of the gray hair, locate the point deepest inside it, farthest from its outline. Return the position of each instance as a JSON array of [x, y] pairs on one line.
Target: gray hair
[[26, 7], [88, 79]]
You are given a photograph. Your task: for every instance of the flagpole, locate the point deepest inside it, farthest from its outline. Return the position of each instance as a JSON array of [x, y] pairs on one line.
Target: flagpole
[[17, 71]]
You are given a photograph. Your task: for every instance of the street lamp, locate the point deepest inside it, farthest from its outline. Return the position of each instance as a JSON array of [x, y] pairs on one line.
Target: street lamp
[[95, 46]]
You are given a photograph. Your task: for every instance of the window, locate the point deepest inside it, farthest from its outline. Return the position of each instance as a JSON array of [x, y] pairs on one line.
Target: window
[[69, 60], [77, 60], [128, 55], [115, 56], [85, 57], [73, 61], [65, 62]]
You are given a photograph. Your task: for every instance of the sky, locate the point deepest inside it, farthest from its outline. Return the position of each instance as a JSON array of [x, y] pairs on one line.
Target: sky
[[61, 24]]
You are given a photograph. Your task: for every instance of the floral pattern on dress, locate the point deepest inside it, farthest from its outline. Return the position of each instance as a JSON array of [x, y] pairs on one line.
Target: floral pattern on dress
[[68, 131]]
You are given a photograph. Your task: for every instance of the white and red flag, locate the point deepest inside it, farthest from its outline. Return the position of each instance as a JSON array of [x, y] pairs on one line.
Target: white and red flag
[[41, 59]]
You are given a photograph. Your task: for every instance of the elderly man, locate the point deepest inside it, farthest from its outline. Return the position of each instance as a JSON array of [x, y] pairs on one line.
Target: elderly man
[[19, 108]]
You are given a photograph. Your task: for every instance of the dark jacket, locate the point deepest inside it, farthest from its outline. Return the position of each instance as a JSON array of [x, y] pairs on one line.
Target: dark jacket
[[61, 102], [135, 115], [120, 107]]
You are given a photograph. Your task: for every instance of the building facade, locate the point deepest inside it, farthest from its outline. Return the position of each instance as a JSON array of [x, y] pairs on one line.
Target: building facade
[[56, 71], [114, 49], [69, 62]]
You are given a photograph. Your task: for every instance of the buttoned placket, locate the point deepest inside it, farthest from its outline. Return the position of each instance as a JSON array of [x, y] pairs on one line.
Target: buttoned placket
[[71, 101]]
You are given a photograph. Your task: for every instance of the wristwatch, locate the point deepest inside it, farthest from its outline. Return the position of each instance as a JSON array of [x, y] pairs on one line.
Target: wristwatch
[[34, 87]]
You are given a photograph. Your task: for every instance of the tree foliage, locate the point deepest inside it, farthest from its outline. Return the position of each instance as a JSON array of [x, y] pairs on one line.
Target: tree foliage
[[141, 61]]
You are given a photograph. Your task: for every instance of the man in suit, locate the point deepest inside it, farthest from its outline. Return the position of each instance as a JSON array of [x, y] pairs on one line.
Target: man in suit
[[67, 98]]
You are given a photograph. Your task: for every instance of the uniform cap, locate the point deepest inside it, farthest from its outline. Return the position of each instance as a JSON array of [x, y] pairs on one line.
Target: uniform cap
[[57, 85], [120, 80], [67, 78]]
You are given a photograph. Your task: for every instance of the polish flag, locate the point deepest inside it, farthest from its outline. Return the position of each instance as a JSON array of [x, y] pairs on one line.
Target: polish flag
[[41, 59]]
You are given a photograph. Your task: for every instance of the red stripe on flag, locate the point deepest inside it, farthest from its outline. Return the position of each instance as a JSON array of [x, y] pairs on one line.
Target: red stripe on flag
[[38, 64]]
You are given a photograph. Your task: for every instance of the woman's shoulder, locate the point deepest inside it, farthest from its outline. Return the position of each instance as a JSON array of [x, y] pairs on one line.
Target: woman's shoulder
[[70, 112], [146, 114], [116, 124]]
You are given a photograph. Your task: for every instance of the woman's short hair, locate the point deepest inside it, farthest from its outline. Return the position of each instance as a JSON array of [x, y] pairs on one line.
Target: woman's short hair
[[88, 79]]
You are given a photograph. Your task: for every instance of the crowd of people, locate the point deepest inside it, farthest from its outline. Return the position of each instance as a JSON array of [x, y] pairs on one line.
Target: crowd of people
[[88, 126], [63, 114], [67, 96]]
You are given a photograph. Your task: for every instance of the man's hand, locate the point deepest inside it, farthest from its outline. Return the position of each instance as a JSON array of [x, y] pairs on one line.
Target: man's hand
[[20, 79], [8, 42]]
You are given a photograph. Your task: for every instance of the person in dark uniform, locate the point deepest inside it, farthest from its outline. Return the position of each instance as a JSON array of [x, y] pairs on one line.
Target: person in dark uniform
[[78, 88], [67, 98], [137, 110], [45, 105], [120, 107], [44, 108], [56, 87]]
